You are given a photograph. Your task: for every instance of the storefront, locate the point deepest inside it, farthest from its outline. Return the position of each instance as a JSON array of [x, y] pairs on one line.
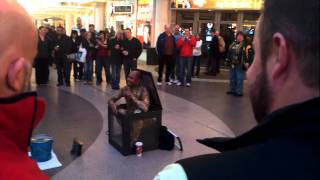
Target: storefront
[[238, 15]]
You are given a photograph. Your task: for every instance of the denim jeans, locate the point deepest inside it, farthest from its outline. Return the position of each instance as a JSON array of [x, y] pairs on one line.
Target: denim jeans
[[196, 62], [129, 65], [166, 60], [185, 63], [102, 62], [89, 69], [236, 79], [115, 80]]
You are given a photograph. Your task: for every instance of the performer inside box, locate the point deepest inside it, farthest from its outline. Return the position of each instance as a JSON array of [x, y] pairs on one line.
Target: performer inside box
[[137, 100]]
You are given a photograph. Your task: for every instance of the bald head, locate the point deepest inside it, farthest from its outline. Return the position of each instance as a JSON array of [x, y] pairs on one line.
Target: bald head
[[18, 45], [167, 28]]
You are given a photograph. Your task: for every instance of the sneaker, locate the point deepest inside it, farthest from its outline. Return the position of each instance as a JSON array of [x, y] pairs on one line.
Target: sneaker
[[159, 83], [176, 82], [77, 80], [169, 83], [188, 84], [179, 83]]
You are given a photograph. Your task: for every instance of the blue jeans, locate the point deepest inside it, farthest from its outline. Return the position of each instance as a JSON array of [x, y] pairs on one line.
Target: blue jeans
[[89, 69], [185, 63], [102, 62], [236, 79], [196, 63], [115, 80]]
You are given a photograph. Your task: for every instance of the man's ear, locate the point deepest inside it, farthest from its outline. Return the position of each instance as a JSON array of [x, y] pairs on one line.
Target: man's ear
[[17, 75], [281, 54]]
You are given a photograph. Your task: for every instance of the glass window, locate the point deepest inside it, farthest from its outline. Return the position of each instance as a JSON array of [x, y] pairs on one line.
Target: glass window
[[206, 15], [251, 16], [187, 15], [229, 16]]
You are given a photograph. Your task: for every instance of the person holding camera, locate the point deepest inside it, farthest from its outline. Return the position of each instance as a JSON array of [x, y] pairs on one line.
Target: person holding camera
[[236, 57]]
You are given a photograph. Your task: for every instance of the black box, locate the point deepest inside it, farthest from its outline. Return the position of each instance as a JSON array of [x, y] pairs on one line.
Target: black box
[[121, 127]]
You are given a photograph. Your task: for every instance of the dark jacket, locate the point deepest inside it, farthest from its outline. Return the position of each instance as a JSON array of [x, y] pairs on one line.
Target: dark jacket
[[133, 46], [214, 47], [65, 46], [161, 44], [18, 116], [285, 146], [115, 54], [90, 47], [44, 49]]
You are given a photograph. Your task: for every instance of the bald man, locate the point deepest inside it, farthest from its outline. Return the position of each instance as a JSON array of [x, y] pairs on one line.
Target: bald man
[[19, 112], [166, 49]]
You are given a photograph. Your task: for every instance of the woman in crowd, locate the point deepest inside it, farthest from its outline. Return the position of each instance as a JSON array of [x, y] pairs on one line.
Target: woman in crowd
[[102, 59], [196, 56], [89, 45], [249, 52], [43, 57]]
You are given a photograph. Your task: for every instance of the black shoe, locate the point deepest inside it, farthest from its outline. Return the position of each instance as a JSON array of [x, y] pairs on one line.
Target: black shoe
[[60, 84], [237, 95], [68, 84], [230, 93]]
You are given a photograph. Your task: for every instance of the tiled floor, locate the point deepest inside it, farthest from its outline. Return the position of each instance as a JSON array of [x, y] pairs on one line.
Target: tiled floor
[[81, 110]]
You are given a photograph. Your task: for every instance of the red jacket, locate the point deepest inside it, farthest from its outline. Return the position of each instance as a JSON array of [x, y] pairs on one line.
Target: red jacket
[[17, 115], [186, 46]]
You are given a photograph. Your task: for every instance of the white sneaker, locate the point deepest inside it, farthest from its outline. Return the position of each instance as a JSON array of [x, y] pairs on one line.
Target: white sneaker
[[169, 83], [178, 83], [171, 80], [188, 84], [159, 83]]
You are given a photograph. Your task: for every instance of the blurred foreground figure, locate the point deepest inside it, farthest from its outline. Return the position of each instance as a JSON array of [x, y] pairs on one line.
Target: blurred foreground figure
[[19, 112], [285, 95]]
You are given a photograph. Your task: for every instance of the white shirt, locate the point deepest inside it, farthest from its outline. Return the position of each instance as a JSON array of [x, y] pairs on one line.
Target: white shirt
[[172, 172], [197, 48]]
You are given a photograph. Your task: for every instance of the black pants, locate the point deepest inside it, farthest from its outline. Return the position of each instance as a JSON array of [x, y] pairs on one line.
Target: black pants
[[77, 70], [129, 65], [42, 70], [213, 65], [167, 60], [63, 70], [196, 63]]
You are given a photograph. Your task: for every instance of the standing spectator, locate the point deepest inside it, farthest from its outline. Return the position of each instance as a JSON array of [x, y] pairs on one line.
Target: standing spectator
[[42, 60], [214, 55], [89, 45], [249, 52], [131, 51], [102, 60], [79, 27], [61, 50], [197, 55], [166, 49], [186, 45], [112, 33], [116, 59], [222, 49], [75, 43], [175, 67], [236, 56], [79, 65]]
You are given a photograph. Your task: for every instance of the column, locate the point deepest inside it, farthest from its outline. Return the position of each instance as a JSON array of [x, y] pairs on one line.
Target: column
[[99, 16], [161, 17], [69, 23]]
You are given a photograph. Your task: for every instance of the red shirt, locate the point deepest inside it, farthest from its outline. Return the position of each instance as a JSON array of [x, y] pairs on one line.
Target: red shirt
[[102, 51], [186, 46]]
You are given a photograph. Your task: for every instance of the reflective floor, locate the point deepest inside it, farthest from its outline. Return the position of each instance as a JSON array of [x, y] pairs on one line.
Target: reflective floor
[[203, 110]]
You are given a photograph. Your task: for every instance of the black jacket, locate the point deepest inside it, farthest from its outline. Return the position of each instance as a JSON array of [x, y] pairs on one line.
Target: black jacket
[[133, 46], [65, 46], [115, 54], [285, 146]]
